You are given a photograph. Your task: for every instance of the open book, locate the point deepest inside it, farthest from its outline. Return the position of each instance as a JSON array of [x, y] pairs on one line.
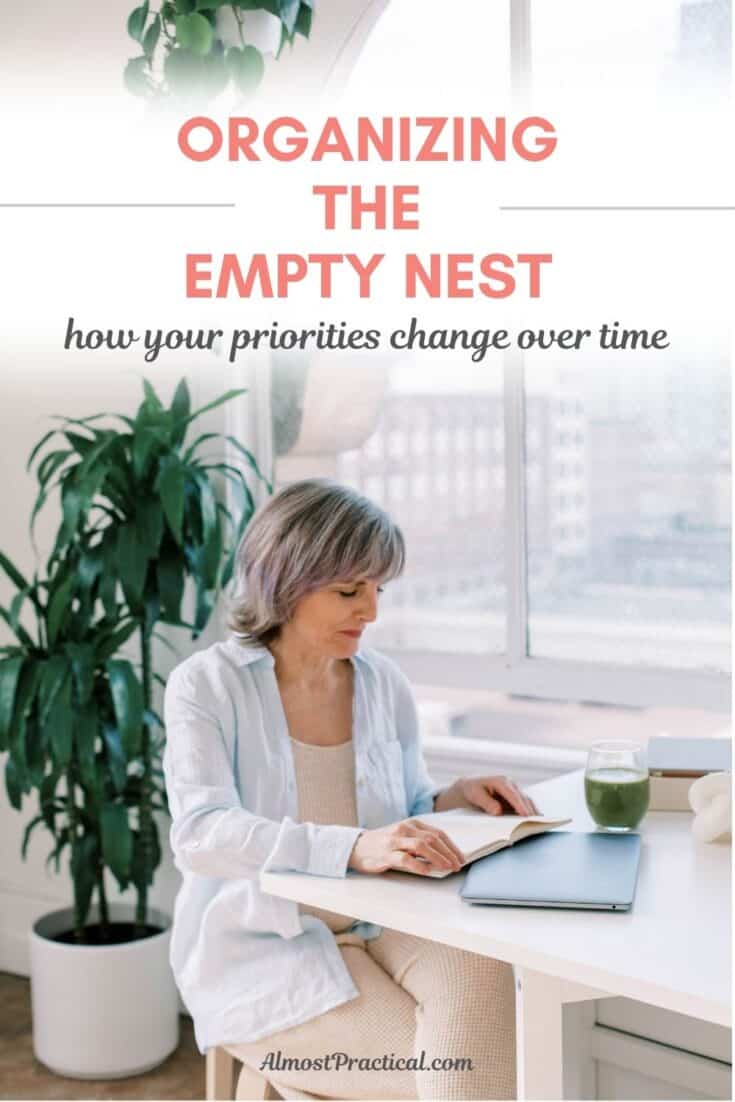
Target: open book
[[477, 833]]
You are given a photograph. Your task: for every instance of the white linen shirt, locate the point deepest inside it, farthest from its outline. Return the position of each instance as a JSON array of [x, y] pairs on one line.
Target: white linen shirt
[[248, 964]]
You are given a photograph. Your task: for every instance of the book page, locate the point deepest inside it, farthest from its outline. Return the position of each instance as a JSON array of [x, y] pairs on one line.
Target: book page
[[474, 830]]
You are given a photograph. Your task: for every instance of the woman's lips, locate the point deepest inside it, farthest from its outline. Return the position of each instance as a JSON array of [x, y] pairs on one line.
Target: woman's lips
[[352, 634]]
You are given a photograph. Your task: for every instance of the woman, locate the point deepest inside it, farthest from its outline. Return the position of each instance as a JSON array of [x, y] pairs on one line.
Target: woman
[[291, 748]]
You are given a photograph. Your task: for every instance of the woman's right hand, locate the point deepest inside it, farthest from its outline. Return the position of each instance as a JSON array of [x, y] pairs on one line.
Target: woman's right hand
[[408, 845]]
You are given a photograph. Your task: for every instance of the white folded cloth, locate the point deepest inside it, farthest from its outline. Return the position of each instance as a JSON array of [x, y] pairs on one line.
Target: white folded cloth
[[710, 800]]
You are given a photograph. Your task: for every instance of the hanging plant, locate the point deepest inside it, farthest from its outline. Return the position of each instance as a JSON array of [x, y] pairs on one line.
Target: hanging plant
[[195, 49]]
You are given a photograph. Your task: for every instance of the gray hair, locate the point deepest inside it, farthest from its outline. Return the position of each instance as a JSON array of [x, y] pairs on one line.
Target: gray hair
[[308, 535]]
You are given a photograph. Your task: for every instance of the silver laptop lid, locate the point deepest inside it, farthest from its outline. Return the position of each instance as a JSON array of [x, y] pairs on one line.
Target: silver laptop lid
[[558, 869]]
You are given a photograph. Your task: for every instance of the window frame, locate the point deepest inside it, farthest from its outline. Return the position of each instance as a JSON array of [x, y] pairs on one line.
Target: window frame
[[516, 671]]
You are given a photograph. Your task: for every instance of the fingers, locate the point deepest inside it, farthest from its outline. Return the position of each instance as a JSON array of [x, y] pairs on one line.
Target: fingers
[[425, 844], [511, 793], [487, 802], [409, 863], [442, 837]]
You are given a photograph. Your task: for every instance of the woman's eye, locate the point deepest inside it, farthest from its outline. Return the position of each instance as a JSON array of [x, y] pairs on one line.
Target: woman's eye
[[353, 592]]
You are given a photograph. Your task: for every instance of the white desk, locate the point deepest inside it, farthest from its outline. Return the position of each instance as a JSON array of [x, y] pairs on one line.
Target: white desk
[[671, 950]]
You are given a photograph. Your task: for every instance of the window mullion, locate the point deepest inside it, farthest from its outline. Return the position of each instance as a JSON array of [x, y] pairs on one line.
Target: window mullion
[[516, 556]]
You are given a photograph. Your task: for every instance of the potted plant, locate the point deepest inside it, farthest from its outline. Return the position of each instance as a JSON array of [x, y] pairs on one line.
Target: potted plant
[[140, 517], [197, 47]]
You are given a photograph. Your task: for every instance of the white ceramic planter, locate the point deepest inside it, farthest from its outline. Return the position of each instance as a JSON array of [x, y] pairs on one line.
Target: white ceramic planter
[[102, 1012]]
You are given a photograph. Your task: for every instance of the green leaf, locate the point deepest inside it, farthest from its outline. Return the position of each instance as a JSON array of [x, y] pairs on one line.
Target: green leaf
[[151, 36], [62, 840], [25, 694], [27, 835], [194, 32], [170, 484], [286, 39], [50, 464], [209, 5], [227, 397], [35, 750], [86, 730], [15, 608], [251, 461], [46, 436], [207, 505], [137, 20], [81, 444], [136, 76], [144, 443], [127, 700], [59, 607], [289, 14], [109, 643], [185, 6], [181, 404], [20, 633], [132, 562], [10, 670], [170, 581], [60, 724], [108, 582], [47, 797], [13, 573], [303, 22], [116, 760], [117, 841], [197, 443], [72, 499], [152, 612], [53, 672], [149, 526], [89, 566], [204, 609], [190, 75], [146, 858], [84, 857], [246, 67], [14, 783], [82, 657]]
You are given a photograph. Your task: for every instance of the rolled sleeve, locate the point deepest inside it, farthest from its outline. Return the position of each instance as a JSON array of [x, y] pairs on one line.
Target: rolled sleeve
[[212, 833]]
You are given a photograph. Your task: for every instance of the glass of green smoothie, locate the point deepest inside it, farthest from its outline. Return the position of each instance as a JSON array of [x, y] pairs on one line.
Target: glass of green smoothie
[[616, 784]]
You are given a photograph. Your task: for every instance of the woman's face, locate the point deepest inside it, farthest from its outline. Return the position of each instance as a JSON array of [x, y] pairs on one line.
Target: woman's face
[[331, 620]]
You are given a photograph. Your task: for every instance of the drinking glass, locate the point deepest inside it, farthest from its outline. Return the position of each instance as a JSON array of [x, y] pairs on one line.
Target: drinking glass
[[616, 785]]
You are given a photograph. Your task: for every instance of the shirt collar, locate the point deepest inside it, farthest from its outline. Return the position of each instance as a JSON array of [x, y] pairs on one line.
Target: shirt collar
[[245, 654]]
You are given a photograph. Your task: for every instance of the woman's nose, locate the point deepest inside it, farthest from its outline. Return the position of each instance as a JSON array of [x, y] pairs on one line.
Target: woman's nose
[[368, 610]]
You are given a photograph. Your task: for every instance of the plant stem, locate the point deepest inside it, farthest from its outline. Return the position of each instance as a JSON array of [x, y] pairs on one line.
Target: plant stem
[[238, 17], [71, 790], [145, 811], [104, 915]]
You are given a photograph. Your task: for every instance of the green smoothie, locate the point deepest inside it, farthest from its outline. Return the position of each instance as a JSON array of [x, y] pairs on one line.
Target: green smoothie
[[617, 798]]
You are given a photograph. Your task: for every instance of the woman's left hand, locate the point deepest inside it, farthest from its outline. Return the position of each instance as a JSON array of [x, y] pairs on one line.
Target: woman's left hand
[[496, 796]]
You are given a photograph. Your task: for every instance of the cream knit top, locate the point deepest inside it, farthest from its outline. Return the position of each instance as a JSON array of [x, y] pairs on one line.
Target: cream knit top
[[325, 780]]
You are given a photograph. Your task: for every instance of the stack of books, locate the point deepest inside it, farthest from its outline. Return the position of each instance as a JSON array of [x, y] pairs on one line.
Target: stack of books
[[675, 763]]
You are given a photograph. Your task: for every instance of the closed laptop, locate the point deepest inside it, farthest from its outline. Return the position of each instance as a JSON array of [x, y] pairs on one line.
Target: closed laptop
[[558, 869]]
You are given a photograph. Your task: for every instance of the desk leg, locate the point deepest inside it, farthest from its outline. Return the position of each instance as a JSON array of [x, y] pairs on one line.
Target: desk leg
[[539, 1058]]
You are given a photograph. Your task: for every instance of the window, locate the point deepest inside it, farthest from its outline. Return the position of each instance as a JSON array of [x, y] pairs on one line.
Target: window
[[627, 549], [652, 584], [451, 597], [590, 557]]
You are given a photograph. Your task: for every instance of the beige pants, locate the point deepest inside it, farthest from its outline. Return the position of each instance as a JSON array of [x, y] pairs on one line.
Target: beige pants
[[415, 995]]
